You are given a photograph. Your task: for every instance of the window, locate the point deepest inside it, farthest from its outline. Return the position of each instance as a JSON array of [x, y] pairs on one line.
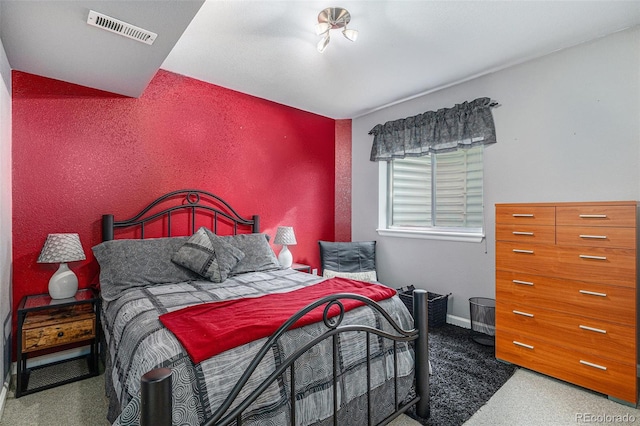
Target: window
[[436, 195]]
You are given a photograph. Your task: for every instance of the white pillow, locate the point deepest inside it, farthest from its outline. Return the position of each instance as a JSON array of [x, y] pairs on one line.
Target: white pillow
[[361, 276]]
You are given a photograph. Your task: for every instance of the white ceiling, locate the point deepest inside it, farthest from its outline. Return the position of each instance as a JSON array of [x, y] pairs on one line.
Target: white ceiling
[[268, 48]]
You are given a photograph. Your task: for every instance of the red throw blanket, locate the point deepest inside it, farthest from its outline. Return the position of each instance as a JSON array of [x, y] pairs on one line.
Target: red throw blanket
[[211, 328]]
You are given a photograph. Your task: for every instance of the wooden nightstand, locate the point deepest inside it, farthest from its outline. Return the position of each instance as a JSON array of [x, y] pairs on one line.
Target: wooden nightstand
[[50, 324], [301, 267]]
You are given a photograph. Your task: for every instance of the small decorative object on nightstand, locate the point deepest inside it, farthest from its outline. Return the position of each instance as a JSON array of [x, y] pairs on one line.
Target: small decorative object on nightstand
[[62, 248], [286, 237], [47, 323]]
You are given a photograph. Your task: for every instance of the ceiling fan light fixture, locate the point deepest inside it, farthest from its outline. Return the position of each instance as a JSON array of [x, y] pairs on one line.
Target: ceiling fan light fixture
[[322, 28], [322, 44], [351, 35], [333, 18]]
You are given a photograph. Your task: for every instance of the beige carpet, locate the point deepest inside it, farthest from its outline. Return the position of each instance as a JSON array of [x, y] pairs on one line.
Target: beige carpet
[[79, 403]]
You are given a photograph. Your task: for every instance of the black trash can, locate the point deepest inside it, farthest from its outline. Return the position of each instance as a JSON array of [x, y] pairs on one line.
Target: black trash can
[[483, 320]]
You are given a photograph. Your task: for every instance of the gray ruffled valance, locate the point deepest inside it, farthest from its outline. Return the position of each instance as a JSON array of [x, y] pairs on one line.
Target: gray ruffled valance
[[463, 126]]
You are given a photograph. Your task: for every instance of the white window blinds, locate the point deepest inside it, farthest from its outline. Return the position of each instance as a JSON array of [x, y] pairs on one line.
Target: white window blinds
[[441, 190]]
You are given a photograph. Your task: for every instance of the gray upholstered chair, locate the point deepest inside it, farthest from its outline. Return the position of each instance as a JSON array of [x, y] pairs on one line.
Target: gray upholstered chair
[[356, 260]]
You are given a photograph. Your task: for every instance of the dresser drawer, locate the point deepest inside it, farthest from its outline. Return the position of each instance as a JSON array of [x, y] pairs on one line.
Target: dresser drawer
[[604, 339], [596, 236], [606, 376], [610, 266], [597, 215], [526, 258], [600, 301], [526, 233], [524, 214], [35, 337]]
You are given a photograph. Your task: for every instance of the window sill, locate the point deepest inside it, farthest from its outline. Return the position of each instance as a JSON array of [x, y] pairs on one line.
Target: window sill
[[467, 237]]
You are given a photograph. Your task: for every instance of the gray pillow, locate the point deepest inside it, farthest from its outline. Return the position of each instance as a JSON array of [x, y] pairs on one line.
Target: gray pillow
[[258, 255], [208, 255], [134, 263]]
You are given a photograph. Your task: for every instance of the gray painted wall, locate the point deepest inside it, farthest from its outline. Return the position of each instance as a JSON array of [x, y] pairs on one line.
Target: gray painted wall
[[5, 213], [568, 129]]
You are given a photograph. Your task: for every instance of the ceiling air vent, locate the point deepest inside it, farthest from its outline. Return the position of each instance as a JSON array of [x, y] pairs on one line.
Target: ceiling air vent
[[116, 26]]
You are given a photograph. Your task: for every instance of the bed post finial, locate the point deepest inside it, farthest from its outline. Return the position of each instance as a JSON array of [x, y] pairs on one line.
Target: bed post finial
[[107, 227], [420, 316], [155, 391]]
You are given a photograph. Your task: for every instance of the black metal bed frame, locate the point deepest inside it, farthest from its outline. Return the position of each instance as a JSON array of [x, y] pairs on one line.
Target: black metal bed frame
[[156, 390], [192, 200]]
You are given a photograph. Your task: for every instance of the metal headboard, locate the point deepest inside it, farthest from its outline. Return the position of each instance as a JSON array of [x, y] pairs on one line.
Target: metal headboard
[[191, 200]]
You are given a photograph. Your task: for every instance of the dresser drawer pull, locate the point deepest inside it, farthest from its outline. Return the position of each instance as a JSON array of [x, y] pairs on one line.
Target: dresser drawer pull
[[522, 215], [524, 314], [522, 282], [586, 256], [593, 216], [524, 345], [60, 333], [597, 330], [522, 233], [590, 364], [523, 251], [594, 237], [593, 293]]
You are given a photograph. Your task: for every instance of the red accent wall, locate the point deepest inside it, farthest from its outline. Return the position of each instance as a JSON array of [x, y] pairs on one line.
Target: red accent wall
[[343, 180], [79, 153]]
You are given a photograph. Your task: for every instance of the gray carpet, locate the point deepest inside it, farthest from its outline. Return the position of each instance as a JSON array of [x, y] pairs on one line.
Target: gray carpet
[[465, 375]]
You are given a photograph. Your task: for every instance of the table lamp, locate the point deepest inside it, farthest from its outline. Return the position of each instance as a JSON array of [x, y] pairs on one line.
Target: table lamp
[[286, 237], [62, 248]]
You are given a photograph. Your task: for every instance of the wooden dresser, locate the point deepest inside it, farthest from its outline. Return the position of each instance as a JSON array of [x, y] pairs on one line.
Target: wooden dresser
[[566, 292]]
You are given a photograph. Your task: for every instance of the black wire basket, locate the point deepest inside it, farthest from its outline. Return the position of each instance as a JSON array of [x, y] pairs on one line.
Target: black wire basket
[[437, 305]]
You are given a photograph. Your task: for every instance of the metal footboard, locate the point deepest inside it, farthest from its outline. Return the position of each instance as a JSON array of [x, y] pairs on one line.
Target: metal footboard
[[156, 384]]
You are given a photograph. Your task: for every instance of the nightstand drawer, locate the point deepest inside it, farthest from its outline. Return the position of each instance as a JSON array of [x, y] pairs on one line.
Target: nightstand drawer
[[80, 328]]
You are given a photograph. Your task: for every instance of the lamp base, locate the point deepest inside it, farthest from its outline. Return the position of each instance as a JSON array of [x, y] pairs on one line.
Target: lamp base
[[63, 284], [285, 257]]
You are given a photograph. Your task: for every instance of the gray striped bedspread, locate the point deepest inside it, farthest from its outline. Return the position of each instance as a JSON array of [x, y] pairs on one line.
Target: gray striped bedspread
[[136, 342]]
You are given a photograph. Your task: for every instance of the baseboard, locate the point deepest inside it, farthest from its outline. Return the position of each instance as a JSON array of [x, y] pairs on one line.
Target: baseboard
[[4, 394], [54, 357], [459, 321]]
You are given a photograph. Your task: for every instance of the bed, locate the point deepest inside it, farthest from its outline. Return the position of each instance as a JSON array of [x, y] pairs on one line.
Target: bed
[[167, 275]]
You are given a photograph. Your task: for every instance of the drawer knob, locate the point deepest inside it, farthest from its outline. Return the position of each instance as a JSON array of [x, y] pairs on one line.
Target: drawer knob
[[593, 293], [593, 216], [524, 345], [60, 333], [523, 251], [522, 233], [590, 364], [522, 282], [522, 215], [597, 330], [524, 314]]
